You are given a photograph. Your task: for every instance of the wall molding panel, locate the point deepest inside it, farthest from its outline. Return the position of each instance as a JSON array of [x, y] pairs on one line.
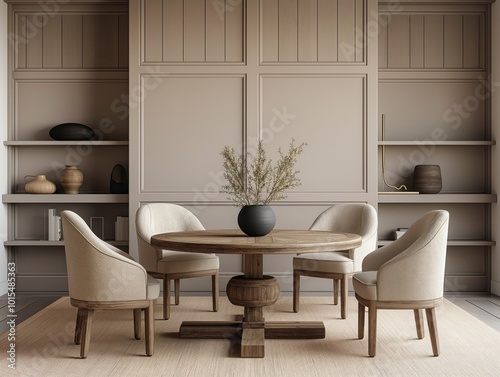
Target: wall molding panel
[[313, 31], [432, 40], [192, 31], [67, 40]]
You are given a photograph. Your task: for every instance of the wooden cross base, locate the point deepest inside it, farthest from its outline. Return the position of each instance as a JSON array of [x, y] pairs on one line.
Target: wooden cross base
[[252, 335]]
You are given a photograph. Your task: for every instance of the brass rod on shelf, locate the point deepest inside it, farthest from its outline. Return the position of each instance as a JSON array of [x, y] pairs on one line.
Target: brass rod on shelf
[[383, 160]]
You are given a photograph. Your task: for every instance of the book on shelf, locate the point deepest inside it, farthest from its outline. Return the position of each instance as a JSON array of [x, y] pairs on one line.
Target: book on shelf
[[399, 232], [121, 228], [54, 225]]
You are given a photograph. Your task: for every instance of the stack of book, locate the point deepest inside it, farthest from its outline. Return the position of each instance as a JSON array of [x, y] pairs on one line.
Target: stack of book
[[54, 225]]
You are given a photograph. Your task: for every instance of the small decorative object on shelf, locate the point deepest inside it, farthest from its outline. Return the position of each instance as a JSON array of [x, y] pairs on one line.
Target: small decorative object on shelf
[[399, 232], [71, 179], [121, 228], [54, 225], [71, 131], [39, 185], [97, 226], [253, 182], [119, 180], [427, 179], [400, 188]]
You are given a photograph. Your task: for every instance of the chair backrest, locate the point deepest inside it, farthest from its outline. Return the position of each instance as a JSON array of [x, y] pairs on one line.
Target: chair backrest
[[412, 267], [358, 218], [154, 218], [95, 271]]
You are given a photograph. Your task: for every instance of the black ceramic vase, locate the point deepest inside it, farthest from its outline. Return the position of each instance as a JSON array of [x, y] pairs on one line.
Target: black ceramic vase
[[256, 220]]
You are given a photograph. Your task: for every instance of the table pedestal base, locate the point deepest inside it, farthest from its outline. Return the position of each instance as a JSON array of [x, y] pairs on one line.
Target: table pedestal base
[[252, 338], [253, 291]]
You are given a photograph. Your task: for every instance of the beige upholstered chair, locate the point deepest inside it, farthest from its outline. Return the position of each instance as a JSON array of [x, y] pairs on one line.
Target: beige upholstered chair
[[358, 218], [406, 274], [154, 218], [101, 276]]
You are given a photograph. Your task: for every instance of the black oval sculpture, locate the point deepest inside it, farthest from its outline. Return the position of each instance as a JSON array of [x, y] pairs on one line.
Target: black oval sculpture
[[118, 183], [71, 131]]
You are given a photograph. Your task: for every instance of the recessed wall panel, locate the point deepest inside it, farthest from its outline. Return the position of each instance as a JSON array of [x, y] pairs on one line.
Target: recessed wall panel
[[433, 110], [192, 31], [312, 31], [101, 105], [327, 112], [187, 122]]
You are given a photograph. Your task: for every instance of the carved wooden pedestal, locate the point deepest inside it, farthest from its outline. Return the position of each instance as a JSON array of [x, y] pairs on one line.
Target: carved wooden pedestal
[[253, 291]]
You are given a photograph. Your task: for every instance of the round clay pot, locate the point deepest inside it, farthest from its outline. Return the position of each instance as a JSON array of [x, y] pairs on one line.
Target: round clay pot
[[71, 179], [39, 185]]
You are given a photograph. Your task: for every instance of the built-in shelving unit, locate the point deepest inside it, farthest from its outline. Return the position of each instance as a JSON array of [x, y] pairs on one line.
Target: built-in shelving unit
[[433, 71], [73, 67]]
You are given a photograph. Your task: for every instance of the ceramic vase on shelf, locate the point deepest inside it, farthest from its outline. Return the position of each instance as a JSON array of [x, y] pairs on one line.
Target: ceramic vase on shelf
[[256, 220], [71, 179], [39, 185], [427, 179]]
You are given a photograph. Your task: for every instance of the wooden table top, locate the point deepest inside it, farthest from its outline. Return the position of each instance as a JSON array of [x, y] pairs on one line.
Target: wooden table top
[[227, 241]]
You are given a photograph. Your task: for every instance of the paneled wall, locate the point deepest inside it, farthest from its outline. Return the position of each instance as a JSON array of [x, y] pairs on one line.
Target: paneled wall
[[67, 40], [312, 31], [418, 39], [207, 74]]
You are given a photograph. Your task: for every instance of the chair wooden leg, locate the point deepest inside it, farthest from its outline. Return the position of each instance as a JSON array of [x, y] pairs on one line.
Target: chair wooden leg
[[372, 329], [86, 330], [78, 328], [432, 323], [137, 324], [335, 291], [149, 327], [215, 291], [419, 321], [166, 297], [361, 320], [177, 289], [296, 290], [343, 296]]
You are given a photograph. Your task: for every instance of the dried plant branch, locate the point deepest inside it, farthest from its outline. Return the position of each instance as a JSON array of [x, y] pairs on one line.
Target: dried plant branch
[[255, 181]]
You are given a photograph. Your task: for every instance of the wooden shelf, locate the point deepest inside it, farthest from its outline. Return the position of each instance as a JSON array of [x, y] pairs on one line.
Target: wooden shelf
[[38, 243], [65, 198], [476, 143], [52, 143], [436, 198], [464, 243]]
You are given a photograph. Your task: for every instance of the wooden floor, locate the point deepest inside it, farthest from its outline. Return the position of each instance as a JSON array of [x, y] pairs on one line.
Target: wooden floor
[[484, 307]]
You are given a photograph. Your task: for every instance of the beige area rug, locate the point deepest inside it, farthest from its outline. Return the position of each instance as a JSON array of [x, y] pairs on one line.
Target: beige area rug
[[44, 345]]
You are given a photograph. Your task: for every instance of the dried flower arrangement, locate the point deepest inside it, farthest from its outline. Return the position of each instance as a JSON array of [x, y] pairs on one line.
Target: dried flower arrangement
[[254, 180]]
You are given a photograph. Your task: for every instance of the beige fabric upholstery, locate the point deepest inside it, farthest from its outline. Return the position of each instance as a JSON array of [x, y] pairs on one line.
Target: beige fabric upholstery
[[412, 267], [406, 274], [155, 218], [97, 271], [358, 218], [101, 276]]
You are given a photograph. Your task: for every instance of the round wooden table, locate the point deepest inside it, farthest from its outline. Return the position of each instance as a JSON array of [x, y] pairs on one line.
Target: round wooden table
[[254, 290]]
